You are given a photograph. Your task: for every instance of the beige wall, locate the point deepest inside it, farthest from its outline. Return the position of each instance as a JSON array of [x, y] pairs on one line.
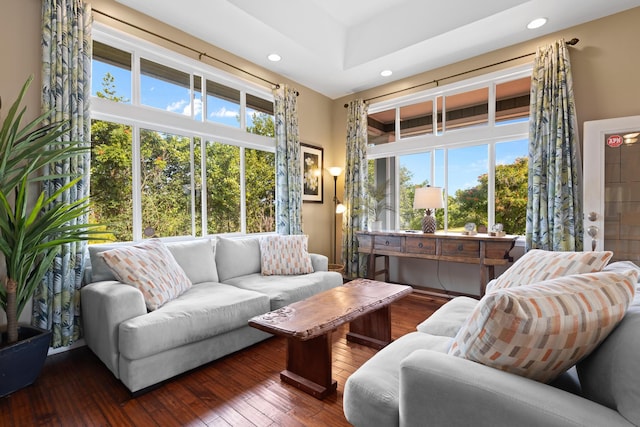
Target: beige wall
[[20, 53]]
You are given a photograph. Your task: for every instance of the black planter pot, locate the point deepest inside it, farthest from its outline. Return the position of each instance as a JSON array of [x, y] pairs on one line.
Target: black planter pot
[[21, 362]]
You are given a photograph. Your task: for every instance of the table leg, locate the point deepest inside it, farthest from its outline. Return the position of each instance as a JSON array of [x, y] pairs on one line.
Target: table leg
[[309, 366], [373, 329]]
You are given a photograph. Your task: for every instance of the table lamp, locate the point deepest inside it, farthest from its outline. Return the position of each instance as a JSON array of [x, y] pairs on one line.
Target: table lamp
[[429, 198]]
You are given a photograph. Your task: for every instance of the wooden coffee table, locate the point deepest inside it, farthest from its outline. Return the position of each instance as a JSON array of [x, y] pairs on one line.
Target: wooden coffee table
[[308, 324]]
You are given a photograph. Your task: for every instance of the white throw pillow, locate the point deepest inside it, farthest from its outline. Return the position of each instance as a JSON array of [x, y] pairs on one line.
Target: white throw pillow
[[285, 255], [150, 267]]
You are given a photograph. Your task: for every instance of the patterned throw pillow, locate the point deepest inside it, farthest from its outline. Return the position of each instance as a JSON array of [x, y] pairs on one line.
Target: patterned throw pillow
[[538, 265], [150, 267], [541, 330], [285, 255]]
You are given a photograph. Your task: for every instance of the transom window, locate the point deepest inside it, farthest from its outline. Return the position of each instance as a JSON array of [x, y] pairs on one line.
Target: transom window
[[178, 147], [469, 138]]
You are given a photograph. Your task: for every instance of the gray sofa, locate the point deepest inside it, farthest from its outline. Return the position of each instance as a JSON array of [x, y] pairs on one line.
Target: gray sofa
[[414, 382], [206, 322]]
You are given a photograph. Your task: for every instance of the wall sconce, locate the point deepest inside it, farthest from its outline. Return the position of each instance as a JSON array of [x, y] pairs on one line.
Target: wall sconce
[[429, 198], [339, 208]]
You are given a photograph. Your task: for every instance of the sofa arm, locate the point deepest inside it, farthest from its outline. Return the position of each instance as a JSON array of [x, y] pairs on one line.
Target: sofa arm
[[319, 262], [104, 306], [439, 389]]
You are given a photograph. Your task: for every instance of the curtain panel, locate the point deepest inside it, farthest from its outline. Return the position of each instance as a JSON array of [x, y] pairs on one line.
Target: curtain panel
[[288, 163], [554, 207], [66, 87], [355, 189]]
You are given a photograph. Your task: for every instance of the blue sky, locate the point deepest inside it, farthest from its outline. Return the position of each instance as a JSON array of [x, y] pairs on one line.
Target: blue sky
[[465, 166]]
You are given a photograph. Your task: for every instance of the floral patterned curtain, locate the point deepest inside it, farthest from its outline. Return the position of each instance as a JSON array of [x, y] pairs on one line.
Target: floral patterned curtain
[[554, 208], [66, 87], [355, 187], [288, 169]]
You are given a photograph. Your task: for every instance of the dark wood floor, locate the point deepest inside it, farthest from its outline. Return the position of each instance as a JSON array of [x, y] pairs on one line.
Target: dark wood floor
[[244, 389]]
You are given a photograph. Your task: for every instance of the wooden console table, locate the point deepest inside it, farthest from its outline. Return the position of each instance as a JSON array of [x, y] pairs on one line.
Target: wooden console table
[[482, 249]]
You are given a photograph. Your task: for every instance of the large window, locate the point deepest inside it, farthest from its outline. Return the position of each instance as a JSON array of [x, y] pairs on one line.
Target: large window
[[469, 138], [178, 147]]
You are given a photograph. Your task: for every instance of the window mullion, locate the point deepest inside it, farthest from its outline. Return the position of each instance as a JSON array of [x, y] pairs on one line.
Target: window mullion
[[492, 105], [446, 189], [203, 189], [491, 186], [243, 110], [192, 168], [243, 193], [135, 78], [136, 176]]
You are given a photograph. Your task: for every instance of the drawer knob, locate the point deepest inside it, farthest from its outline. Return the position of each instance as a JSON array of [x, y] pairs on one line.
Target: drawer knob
[[420, 245], [460, 247], [386, 243]]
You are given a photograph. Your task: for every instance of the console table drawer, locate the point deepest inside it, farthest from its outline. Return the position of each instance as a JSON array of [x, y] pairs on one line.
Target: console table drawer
[[417, 245], [388, 243], [497, 250], [470, 249], [365, 243]]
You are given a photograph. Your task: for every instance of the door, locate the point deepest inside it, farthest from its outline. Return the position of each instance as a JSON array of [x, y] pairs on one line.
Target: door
[[611, 181]]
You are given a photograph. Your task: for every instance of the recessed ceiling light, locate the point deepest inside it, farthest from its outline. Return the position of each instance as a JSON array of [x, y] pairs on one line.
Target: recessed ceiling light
[[536, 23], [274, 57], [386, 73]]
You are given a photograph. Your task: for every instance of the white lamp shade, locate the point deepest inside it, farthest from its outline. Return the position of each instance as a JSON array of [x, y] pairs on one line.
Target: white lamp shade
[[335, 170], [428, 198]]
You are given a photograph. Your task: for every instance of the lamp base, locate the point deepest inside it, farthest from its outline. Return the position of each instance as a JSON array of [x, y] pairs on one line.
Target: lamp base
[[428, 224]]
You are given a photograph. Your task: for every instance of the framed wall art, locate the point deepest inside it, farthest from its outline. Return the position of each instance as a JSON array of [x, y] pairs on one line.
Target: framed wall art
[[312, 173]]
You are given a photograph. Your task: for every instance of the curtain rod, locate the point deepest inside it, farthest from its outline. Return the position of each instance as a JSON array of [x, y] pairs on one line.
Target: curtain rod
[[200, 54], [574, 41]]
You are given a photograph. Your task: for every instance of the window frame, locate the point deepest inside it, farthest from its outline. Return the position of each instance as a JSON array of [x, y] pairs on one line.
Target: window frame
[[489, 134], [140, 116]]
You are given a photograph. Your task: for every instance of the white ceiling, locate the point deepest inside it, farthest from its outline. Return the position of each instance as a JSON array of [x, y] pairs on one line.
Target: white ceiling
[[338, 47]]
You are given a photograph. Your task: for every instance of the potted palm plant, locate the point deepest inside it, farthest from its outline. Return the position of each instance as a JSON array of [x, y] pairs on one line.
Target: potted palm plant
[[32, 229]]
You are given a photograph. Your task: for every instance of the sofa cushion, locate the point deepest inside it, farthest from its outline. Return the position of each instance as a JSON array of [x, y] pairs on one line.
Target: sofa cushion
[[371, 394], [538, 265], [237, 257], [449, 318], [100, 271], [197, 259], [285, 255], [205, 310], [539, 331], [610, 375], [150, 267], [284, 290]]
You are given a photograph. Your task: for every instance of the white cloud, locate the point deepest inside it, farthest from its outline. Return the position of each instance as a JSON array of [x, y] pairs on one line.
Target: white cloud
[[184, 107], [223, 112], [178, 105]]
